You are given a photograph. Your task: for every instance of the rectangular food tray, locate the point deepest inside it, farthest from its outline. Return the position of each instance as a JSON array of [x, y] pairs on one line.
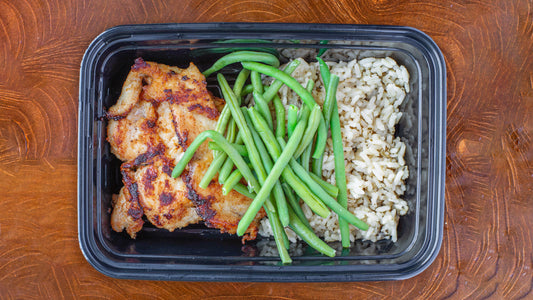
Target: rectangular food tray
[[197, 253]]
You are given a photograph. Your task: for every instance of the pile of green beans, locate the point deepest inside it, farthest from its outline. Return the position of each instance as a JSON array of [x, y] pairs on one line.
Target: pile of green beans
[[273, 155]]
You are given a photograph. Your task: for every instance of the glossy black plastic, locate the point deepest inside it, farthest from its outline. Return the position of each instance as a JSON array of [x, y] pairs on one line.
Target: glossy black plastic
[[201, 254]]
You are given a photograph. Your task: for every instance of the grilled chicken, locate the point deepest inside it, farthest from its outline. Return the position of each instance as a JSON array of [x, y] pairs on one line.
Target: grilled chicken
[[160, 112], [135, 133], [163, 198], [127, 213]]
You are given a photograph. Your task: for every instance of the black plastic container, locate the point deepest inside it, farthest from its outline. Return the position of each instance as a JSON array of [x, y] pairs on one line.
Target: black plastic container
[[200, 254]]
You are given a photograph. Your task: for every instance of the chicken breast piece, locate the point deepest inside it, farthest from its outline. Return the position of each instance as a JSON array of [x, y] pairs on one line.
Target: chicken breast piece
[[129, 96], [163, 198], [127, 213], [151, 133], [134, 133], [166, 129]]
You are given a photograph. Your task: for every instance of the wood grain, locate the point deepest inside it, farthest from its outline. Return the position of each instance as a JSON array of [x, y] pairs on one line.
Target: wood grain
[[488, 242]]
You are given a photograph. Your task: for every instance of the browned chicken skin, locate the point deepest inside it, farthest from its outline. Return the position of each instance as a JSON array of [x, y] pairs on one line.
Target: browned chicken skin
[[159, 113], [163, 198]]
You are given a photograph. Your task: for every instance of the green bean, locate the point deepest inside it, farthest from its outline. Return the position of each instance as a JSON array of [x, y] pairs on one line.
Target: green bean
[[338, 151], [228, 149], [323, 128], [247, 89], [276, 85], [332, 190], [306, 155], [227, 167], [243, 190], [279, 237], [331, 89], [277, 192], [304, 113], [231, 181], [292, 83], [317, 165], [257, 84], [312, 126], [212, 170], [321, 138], [307, 152], [325, 74], [240, 81], [340, 174], [282, 232], [288, 175], [260, 102], [280, 117], [320, 146], [314, 203], [262, 107], [324, 71], [225, 171], [239, 147], [310, 85], [222, 124], [292, 118], [225, 115], [295, 204], [231, 133], [271, 180], [242, 56], [285, 238], [309, 236], [281, 203]]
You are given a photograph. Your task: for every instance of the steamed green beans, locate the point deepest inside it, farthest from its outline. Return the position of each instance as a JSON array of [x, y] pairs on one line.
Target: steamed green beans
[[270, 181], [275, 152], [280, 117], [278, 152], [292, 118]]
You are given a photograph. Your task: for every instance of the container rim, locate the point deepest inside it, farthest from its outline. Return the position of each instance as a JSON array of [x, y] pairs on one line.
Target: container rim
[[190, 272]]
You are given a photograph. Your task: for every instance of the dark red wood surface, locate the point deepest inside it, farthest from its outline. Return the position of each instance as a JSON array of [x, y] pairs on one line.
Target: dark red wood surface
[[487, 246]]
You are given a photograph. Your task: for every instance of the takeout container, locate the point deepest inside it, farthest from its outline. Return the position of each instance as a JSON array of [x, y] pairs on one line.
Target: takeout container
[[197, 253]]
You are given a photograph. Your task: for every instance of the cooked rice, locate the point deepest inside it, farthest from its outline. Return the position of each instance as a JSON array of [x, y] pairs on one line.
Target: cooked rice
[[369, 95]]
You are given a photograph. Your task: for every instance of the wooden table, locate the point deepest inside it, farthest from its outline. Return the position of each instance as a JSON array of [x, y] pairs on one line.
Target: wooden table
[[488, 242]]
